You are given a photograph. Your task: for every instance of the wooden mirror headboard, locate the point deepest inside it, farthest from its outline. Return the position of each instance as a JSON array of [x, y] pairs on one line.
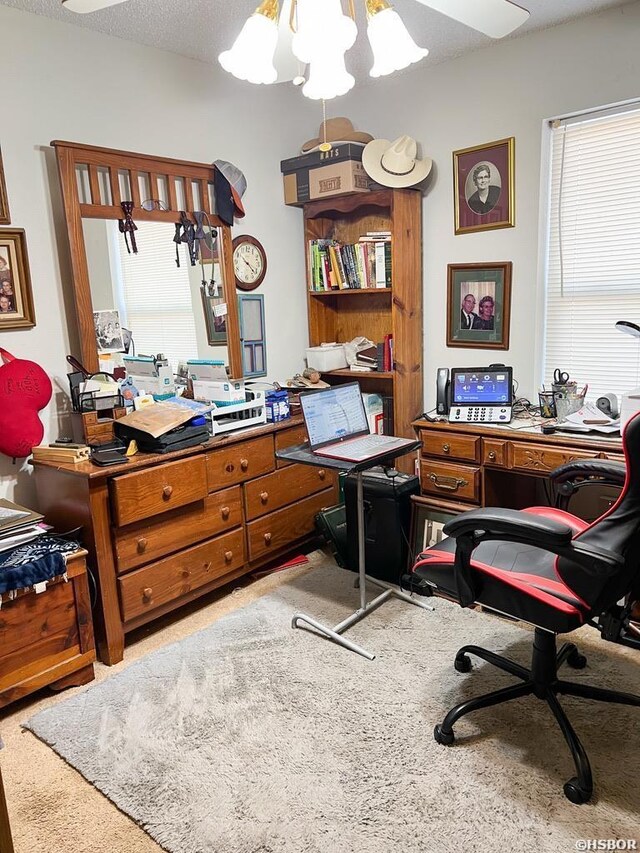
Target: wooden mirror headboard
[[111, 177]]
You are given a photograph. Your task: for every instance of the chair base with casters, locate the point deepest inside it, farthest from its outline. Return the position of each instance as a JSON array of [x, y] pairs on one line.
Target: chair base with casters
[[542, 681]]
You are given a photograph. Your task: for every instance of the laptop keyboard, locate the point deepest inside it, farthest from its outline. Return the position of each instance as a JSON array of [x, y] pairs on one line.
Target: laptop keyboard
[[369, 443]]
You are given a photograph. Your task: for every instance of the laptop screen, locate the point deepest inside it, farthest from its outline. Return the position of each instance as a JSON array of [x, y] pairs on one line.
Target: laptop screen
[[334, 414]]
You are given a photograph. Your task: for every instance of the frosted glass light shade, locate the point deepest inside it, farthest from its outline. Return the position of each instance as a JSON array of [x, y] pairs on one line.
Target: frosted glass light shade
[[320, 22], [251, 57], [328, 77], [392, 46]]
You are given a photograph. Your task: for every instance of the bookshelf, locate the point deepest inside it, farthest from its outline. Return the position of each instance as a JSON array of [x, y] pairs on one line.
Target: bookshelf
[[340, 315]]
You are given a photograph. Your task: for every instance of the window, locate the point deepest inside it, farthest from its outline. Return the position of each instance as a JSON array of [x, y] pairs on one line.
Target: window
[[593, 250], [155, 294]]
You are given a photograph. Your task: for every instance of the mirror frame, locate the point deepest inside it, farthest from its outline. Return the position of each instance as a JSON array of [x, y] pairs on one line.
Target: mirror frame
[[128, 168]]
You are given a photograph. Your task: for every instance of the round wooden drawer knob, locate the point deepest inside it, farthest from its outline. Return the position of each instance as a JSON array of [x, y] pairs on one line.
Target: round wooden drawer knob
[[446, 448], [147, 593], [228, 556], [244, 464], [225, 512], [142, 546], [322, 474], [229, 467], [267, 538], [264, 497], [186, 572], [167, 492], [492, 455]]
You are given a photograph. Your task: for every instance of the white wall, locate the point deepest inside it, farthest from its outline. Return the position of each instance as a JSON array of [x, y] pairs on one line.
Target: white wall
[[505, 90]]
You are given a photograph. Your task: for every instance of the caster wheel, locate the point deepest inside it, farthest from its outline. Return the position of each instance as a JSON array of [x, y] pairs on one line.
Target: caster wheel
[[446, 739], [575, 793], [576, 660], [462, 663]]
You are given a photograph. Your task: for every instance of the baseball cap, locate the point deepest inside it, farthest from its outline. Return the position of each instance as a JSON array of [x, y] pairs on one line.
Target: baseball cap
[[237, 183]]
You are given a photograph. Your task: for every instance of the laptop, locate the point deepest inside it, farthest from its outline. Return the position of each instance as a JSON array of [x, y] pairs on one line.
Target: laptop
[[337, 425]]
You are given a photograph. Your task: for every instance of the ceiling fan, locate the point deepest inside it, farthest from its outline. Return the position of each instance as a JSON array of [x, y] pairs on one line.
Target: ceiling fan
[[494, 18]]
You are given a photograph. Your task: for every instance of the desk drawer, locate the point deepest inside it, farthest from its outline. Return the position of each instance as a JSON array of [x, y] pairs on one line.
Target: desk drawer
[[495, 452], [287, 438], [283, 487], [239, 462], [459, 482], [448, 445], [275, 531], [149, 540], [143, 590], [155, 490], [541, 457]]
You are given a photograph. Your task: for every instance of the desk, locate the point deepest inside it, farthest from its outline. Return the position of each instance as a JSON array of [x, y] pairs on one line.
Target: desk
[[470, 465], [303, 454]]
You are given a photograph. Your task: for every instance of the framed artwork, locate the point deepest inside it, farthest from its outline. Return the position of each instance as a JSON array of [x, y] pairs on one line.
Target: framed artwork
[[5, 218], [109, 332], [479, 305], [426, 526], [252, 334], [215, 312], [483, 186], [16, 299]]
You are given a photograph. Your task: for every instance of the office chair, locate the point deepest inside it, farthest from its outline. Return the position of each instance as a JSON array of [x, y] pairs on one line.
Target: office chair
[[554, 571]]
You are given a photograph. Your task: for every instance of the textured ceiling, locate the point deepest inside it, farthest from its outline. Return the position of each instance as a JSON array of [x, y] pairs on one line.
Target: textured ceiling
[[201, 29]]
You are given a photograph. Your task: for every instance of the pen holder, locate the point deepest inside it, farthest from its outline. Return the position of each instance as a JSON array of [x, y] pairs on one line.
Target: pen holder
[[547, 404], [567, 404]]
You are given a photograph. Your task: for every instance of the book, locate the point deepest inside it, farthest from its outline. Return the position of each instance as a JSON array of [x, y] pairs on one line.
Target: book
[[14, 517]]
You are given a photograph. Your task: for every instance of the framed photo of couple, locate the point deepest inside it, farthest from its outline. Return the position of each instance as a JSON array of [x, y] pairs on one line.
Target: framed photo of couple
[[479, 305], [483, 180], [16, 300]]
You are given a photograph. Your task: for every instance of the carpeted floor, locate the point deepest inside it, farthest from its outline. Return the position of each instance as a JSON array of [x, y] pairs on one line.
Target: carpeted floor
[[249, 737]]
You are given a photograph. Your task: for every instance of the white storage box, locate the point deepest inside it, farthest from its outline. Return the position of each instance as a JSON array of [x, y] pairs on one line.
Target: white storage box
[[221, 393], [326, 358]]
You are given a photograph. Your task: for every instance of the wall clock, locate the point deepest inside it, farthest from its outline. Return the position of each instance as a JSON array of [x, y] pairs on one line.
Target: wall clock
[[249, 262]]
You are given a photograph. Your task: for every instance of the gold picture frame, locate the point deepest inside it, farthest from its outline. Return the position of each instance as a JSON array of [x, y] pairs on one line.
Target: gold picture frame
[[5, 217], [16, 298], [479, 305], [484, 186]]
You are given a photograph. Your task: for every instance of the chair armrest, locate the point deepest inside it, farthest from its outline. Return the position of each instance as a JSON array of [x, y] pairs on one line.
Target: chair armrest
[[522, 526], [603, 471]]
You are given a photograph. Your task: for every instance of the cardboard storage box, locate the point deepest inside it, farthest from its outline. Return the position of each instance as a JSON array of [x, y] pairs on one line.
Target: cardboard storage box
[[334, 178], [336, 154]]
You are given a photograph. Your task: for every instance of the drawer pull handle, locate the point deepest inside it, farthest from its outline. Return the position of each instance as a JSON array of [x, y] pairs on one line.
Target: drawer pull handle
[[167, 492], [186, 573], [207, 566], [267, 538], [264, 497], [142, 546], [448, 484], [244, 464], [446, 448], [491, 456], [225, 512], [147, 593], [229, 467], [228, 556], [322, 474]]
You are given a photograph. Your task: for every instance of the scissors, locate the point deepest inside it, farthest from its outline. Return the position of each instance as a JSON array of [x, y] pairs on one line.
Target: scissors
[[560, 377]]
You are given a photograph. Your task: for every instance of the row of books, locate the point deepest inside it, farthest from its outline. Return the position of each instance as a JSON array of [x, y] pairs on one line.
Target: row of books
[[342, 266]]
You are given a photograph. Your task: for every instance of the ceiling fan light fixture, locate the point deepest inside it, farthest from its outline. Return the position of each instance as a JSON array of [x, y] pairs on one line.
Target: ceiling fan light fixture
[[392, 46], [321, 24], [328, 76], [251, 57]]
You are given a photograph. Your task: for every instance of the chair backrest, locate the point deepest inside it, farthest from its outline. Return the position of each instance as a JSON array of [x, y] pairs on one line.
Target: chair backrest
[[618, 530]]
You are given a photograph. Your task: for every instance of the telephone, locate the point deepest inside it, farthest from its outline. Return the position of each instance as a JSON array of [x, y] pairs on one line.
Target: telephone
[[475, 394]]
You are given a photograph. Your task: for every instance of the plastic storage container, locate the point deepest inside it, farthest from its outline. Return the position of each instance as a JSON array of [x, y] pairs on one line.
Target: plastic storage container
[[326, 358]]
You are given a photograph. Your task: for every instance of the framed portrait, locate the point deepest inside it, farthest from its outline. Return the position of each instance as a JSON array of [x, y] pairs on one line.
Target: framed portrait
[[5, 218], [215, 312], [16, 299], [479, 305], [483, 186], [426, 526], [109, 332]]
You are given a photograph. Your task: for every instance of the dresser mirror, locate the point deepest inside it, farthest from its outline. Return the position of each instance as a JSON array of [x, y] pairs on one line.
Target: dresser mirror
[[186, 311]]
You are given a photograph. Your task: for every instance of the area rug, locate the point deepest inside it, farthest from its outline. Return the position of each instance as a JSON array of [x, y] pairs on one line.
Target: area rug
[[251, 737]]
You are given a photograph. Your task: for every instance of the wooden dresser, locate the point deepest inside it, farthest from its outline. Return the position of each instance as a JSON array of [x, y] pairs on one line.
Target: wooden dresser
[[469, 465], [165, 529]]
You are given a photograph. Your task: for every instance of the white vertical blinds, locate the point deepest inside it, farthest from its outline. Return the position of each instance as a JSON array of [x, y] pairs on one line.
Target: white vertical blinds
[[593, 251], [157, 295]]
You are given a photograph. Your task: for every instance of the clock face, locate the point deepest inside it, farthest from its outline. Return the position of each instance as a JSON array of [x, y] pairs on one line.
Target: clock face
[[249, 262]]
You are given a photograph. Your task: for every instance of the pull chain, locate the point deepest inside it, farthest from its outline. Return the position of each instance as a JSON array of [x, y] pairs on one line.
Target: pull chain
[[324, 145]]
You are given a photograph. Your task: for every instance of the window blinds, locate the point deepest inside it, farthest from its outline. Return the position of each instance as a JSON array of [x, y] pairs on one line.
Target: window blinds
[[157, 295], [593, 252]]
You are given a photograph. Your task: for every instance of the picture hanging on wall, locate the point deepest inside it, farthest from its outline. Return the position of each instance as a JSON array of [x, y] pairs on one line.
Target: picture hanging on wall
[[5, 218], [483, 181], [215, 312], [479, 305], [16, 299]]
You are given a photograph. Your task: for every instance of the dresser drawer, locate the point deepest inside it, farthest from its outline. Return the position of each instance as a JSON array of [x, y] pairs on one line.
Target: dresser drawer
[[543, 458], [148, 540], [287, 438], [449, 445], [143, 590], [283, 487], [275, 531], [495, 452], [155, 490], [239, 462], [461, 482]]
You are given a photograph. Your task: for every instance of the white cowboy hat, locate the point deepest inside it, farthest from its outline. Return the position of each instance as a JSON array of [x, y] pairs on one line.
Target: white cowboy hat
[[395, 164]]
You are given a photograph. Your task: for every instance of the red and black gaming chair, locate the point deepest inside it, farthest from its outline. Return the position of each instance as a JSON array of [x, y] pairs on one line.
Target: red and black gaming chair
[[550, 569]]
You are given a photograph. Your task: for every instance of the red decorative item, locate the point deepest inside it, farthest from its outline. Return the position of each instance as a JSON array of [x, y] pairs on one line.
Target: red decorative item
[[24, 389]]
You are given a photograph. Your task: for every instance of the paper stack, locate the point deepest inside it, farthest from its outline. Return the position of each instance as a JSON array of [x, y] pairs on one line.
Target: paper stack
[[18, 525]]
